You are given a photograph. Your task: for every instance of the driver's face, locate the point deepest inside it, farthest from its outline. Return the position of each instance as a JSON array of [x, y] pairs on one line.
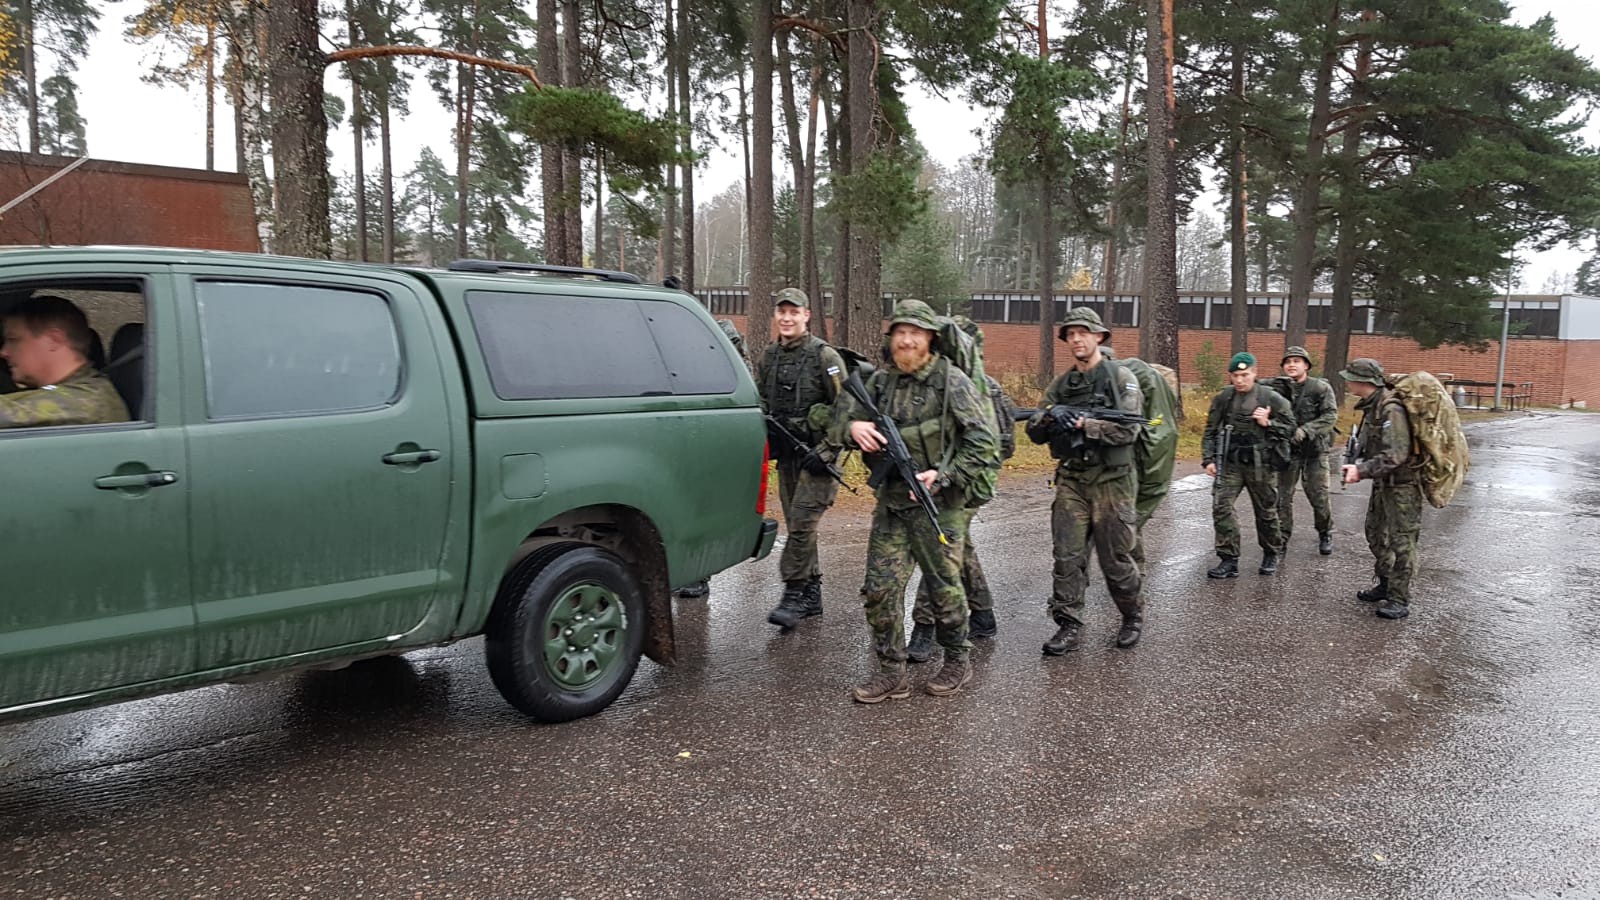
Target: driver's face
[[28, 354]]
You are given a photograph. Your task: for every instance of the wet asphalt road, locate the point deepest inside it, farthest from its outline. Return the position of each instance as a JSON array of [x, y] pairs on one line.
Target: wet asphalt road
[[1269, 738]]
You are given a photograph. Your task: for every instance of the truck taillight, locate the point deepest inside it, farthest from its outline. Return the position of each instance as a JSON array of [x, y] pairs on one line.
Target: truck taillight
[[761, 498]]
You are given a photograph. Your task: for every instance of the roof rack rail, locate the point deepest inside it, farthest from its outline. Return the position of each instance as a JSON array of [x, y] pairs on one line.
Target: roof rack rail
[[491, 266]]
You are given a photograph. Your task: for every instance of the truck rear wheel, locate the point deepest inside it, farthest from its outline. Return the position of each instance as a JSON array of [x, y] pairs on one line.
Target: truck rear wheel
[[565, 638]]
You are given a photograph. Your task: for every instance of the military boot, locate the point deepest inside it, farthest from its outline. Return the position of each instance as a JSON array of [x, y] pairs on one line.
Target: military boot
[[883, 686], [1227, 568], [981, 625], [1376, 593], [956, 672], [1325, 544], [1391, 608], [813, 597], [791, 607], [695, 591], [921, 646], [1128, 635], [1269, 564], [1064, 640]]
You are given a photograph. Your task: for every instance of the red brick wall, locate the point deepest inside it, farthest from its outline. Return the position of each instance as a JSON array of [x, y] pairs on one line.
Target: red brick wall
[[1583, 373], [123, 203]]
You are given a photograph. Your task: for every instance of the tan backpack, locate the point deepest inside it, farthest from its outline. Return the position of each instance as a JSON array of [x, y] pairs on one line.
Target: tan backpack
[[1438, 446]]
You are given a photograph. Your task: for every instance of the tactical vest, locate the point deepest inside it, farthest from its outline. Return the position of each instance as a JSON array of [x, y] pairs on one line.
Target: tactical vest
[[1089, 389], [1246, 433], [1304, 400], [919, 413], [792, 380]]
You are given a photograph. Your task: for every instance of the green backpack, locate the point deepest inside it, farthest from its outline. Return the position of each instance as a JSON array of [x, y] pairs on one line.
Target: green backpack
[[1438, 446], [961, 341]]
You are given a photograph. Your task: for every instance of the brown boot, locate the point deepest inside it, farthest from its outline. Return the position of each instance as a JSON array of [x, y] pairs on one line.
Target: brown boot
[[883, 686], [956, 672]]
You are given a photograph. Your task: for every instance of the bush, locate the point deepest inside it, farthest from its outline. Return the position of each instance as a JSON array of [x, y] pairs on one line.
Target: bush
[[1209, 365]]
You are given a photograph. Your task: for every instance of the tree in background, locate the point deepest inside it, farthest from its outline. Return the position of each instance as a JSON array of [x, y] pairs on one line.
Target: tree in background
[[919, 264], [61, 128], [62, 29]]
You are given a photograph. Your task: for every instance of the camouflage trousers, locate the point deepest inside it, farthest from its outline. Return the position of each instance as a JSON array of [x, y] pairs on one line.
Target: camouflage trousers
[[1314, 472], [805, 497], [903, 539], [1394, 522], [973, 584], [1262, 483], [1098, 517]]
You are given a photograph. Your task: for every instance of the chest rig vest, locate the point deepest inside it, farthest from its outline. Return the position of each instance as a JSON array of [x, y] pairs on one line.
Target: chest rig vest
[[792, 380], [1091, 389]]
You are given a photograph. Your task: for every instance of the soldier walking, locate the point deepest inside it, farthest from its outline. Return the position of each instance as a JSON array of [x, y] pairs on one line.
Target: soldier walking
[[799, 378], [1394, 512], [1316, 413], [1248, 423], [1096, 482], [935, 407]]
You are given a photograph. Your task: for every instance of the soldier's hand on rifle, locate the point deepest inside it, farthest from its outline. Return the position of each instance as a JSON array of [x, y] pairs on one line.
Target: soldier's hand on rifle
[[865, 435], [1261, 415], [928, 477], [1211, 469], [1299, 436], [1352, 474]]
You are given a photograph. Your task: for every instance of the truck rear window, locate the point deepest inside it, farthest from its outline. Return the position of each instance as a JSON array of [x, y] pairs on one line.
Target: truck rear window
[[542, 347]]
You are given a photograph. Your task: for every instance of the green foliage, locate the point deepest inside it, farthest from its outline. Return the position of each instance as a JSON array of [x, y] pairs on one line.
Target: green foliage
[[1588, 278], [786, 238], [429, 198], [883, 197], [919, 263], [61, 127], [1209, 365], [59, 28]]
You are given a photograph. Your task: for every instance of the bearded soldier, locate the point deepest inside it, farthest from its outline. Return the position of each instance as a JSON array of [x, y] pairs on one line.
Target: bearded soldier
[[951, 440], [1317, 414], [799, 379], [1249, 423]]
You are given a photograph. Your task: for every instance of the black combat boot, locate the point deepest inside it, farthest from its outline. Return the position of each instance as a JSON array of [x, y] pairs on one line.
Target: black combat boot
[[791, 607], [920, 648], [1227, 568], [981, 625], [1063, 641], [1269, 564], [813, 604], [1391, 608], [1325, 544], [1376, 593], [1128, 635], [695, 591]]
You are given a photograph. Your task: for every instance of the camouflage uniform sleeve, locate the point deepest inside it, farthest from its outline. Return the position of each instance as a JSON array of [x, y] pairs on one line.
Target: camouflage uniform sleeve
[[1281, 423], [75, 402], [820, 417], [978, 446], [1209, 441], [848, 410], [1394, 444], [1129, 399], [1327, 418]]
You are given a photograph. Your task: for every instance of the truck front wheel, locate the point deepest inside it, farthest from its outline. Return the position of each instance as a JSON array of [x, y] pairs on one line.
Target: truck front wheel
[[565, 638]]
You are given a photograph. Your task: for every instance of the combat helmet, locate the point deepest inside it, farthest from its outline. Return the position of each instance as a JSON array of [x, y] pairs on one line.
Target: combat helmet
[[1084, 317]]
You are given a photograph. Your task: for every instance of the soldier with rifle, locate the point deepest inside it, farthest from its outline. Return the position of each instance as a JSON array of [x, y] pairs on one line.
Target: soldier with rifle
[[1246, 444], [799, 378], [1094, 413], [927, 438]]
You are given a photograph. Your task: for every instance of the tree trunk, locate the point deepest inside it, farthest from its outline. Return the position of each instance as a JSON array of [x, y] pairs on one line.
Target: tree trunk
[[759, 323], [1159, 330], [666, 248], [1047, 243], [299, 129], [1337, 350], [548, 47], [572, 172], [30, 73], [686, 122], [358, 115], [252, 115], [1308, 198], [806, 194], [1237, 227], [838, 167], [211, 95], [1116, 183], [600, 215], [866, 299], [385, 136]]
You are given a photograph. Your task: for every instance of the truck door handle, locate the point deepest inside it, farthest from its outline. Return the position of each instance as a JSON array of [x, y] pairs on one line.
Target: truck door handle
[[411, 457], [139, 480]]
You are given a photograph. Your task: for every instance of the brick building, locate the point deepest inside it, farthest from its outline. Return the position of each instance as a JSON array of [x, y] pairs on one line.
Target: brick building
[[1555, 344], [103, 202]]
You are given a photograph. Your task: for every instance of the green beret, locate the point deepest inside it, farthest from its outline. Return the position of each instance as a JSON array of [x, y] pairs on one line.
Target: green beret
[[1241, 361]]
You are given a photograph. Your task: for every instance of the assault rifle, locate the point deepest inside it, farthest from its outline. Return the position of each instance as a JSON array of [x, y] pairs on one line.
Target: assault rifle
[[808, 454], [1059, 421], [895, 455], [1352, 454], [1224, 444]]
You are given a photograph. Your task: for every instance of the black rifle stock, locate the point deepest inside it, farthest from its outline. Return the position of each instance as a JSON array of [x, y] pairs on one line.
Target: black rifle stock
[[1225, 443], [895, 455], [806, 451], [1352, 454]]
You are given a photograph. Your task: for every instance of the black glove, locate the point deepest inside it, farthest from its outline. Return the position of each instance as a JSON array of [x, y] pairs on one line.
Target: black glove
[[816, 464]]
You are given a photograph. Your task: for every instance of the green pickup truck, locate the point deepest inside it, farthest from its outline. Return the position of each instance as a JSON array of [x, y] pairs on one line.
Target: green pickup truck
[[327, 461]]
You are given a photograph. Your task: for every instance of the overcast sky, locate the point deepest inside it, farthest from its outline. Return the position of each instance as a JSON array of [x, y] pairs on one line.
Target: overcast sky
[[135, 122]]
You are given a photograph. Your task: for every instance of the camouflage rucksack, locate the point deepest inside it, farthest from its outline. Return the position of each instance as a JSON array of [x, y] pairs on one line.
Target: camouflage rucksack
[[1438, 446], [961, 341]]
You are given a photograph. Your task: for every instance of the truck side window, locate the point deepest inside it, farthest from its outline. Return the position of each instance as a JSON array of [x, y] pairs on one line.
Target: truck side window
[[540, 347], [277, 349], [113, 308]]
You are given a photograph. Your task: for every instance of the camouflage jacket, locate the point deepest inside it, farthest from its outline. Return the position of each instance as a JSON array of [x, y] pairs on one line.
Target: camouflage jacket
[[85, 397], [1384, 439], [1316, 412], [799, 381], [942, 421], [1230, 407]]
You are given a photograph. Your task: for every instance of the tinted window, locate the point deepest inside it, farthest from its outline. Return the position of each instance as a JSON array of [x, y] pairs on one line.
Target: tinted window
[[540, 347], [274, 349]]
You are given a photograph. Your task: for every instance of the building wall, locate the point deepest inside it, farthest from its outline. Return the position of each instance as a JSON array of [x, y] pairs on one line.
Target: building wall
[[1580, 318], [123, 203], [1583, 373]]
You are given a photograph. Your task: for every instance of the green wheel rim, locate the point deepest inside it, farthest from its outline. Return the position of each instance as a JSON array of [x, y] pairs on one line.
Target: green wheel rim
[[583, 635]]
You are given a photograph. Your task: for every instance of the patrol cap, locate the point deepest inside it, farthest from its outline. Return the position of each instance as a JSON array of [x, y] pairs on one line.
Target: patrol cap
[[914, 312], [793, 297], [1241, 361], [1363, 369], [1293, 352], [1084, 317]]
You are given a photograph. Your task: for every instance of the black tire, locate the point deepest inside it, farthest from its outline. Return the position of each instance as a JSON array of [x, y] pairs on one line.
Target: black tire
[[545, 592]]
